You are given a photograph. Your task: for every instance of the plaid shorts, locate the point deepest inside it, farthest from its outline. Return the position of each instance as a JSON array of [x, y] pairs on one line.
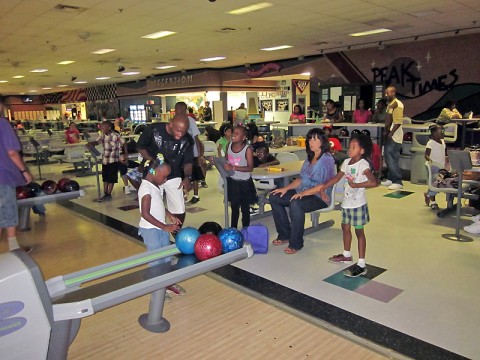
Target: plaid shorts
[[357, 216], [135, 175]]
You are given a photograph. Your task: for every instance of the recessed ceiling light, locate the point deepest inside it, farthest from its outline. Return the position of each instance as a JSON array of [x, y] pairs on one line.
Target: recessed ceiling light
[[305, 74], [103, 51], [39, 70], [281, 47], [18, 77], [131, 73], [3, 81], [33, 90], [165, 67], [370, 32], [158, 34], [80, 82], [103, 78], [65, 62], [47, 88], [215, 58], [62, 85], [250, 8]]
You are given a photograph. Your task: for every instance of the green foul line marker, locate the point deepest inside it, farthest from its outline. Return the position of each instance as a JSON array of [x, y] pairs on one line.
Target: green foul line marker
[[120, 267]]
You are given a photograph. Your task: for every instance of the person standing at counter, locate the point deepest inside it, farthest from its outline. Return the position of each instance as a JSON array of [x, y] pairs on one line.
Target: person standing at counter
[[448, 113], [240, 115], [334, 113], [72, 135], [361, 115], [297, 117], [380, 112], [207, 112], [301, 195], [394, 138]]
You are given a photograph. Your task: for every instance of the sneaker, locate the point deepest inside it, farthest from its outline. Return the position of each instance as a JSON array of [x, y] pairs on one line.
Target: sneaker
[[395, 187], [194, 200], [473, 229], [127, 190], [204, 184], [176, 289], [355, 271], [105, 198], [254, 211], [434, 207], [340, 259], [386, 183], [475, 218], [168, 298]]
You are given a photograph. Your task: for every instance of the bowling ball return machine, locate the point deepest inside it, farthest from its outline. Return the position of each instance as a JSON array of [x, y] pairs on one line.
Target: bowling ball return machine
[[40, 319]]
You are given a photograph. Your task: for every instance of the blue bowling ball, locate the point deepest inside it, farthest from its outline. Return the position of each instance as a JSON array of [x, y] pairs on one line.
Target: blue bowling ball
[[231, 239], [185, 240]]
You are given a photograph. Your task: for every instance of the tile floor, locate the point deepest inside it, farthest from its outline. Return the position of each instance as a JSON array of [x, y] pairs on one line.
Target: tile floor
[[430, 282]]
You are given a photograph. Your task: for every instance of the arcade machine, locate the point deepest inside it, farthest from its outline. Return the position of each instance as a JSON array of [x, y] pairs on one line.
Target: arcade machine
[[39, 320]]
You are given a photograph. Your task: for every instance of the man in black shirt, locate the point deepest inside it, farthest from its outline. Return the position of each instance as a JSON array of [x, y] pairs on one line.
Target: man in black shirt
[[176, 145], [207, 112]]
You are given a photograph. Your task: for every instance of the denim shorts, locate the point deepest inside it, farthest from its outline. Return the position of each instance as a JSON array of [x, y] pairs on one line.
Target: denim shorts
[[8, 206], [155, 239]]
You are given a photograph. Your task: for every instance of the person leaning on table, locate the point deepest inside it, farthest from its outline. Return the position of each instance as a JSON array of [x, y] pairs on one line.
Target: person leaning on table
[[448, 113]]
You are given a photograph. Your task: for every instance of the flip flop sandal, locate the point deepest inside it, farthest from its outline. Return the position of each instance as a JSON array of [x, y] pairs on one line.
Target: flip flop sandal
[[279, 242], [290, 251]]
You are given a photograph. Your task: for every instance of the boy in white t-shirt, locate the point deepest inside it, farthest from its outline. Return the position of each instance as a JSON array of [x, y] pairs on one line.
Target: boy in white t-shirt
[[435, 153], [358, 176]]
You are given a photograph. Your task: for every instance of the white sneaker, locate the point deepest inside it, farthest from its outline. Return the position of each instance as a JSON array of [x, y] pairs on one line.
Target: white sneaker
[[395, 187], [127, 190], [386, 183], [473, 229], [475, 218]]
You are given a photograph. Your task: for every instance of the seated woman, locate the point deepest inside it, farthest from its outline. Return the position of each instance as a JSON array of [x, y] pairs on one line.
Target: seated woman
[[361, 115], [297, 117], [72, 135], [301, 195], [334, 113]]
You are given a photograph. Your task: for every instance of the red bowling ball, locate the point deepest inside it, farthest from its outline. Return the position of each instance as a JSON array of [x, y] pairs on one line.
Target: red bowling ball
[[49, 187], [22, 193], [61, 184], [207, 246]]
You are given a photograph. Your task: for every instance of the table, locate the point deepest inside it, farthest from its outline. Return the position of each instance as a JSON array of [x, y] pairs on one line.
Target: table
[[464, 123], [291, 168]]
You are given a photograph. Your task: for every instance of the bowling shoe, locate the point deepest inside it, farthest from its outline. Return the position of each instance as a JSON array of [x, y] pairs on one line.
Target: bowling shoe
[[340, 259], [355, 271]]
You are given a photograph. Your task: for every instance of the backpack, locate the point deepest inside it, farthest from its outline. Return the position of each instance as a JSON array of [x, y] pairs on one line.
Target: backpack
[[257, 235]]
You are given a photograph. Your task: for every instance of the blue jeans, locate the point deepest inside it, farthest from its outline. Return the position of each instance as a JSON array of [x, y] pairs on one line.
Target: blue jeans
[[292, 229], [155, 239], [392, 158]]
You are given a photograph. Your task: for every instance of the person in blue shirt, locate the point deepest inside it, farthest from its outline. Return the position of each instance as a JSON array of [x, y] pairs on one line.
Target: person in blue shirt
[[300, 196]]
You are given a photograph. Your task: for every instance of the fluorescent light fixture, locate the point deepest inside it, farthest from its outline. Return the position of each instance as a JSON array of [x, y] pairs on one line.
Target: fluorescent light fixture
[[33, 91], [305, 74], [370, 32], [47, 88], [80, 82], [65, 62], [3, 81], [131, 73], [281, 47], [250, 8], [39, 70], [103, 51], [158, 35], [102, 78], [18, 77], [62, 85], [215, 58], [165, 67]]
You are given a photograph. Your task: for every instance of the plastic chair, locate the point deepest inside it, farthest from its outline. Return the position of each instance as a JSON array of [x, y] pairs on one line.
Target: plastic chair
[[284, 157], [451, 132]]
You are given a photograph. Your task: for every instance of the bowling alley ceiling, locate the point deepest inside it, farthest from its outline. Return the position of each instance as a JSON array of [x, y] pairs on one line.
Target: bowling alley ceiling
[[39, 34]]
